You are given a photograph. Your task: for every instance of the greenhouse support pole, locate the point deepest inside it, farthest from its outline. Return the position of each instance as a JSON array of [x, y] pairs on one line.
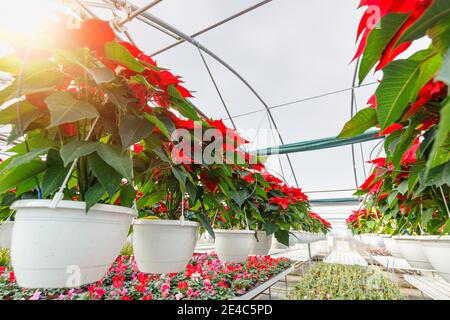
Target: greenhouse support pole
[[309, 254]]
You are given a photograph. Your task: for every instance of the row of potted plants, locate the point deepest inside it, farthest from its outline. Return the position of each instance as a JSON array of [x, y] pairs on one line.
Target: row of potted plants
[[407, 193], [101, 136], [205, 277]]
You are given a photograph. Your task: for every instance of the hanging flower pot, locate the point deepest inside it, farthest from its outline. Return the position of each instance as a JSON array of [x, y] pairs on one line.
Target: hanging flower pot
[[262, 244], [372, 240], [411, 249], [6, 229], [391, 246], [234, 245], [163, 246], [64, 246], [437, 250]]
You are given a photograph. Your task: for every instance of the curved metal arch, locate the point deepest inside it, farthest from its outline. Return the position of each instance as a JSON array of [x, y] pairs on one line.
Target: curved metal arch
[[194, 42]]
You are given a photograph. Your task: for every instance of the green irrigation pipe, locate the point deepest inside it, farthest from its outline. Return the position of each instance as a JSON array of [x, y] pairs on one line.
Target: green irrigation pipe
[[318, 144]]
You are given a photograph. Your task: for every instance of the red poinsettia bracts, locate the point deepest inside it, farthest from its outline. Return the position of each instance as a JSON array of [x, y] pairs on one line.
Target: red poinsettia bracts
[[315, 216], [281, 202], [376, 10]]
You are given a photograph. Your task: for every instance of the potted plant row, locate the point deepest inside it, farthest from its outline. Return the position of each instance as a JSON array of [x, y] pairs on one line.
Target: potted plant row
[[409, 188]]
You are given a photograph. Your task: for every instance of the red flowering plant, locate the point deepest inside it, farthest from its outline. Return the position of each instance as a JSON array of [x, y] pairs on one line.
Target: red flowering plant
[[82, 94], [364, 221], [411, 106]]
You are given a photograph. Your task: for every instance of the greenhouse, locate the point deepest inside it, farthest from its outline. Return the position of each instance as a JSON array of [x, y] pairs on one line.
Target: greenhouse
[[225, 150]]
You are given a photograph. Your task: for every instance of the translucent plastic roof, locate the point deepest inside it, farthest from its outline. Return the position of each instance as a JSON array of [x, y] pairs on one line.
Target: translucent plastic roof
[[288, 50]]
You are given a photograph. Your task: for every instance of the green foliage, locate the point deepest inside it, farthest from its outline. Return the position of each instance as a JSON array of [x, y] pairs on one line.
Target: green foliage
[[341, 282], [363, 120]]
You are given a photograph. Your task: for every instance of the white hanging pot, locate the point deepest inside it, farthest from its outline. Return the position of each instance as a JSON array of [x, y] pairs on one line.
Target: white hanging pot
[[234, 245], [392, 246], [372, 240], [6, 229], [293, 238], [303, 237], [65, 246], [163, 246], [262, 244], [412, 251], [437, 250], [277, 245]]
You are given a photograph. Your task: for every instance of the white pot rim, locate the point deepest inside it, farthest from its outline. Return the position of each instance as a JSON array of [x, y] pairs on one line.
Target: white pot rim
[[165, 222], [405, 237], [234, 231], [433, 238], [6, 222], [69, 204]]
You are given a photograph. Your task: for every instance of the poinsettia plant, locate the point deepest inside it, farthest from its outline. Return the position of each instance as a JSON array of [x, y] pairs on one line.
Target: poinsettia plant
[[82, 98], [410, 186]]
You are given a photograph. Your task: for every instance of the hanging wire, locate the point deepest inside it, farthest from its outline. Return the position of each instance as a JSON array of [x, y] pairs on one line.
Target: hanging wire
[[303, 100], [217, 88]]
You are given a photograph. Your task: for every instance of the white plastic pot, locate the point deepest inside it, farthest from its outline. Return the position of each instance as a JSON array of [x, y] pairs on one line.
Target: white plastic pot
[[392, 246], [163, 246], [437, 250], [372, 240], [262, 245], [294, 238], [412, 251], [234, 245], [65, 246], [304, 237], [6, 229]]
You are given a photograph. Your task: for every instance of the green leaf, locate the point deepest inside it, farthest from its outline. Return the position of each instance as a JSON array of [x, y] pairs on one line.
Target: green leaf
[[182, 105], [206, 224], [283, 237], [444, 73], [447, 226], [116, 98], [34, 142], [151, 199], [406, 140], [117, 159], [11, 64], [77, 149], [39, 76], [440, 152], [437, 176], [54, 175], [440, 34], [25, 158], [403, 187], [159, 124], [101, 75], [360, 123], [118, 53], [105, 174], [270, 228], [377, 41], [9, 114], [402, 81], [64, 108], [438, 11], [132, 130], [93, 195], [180, 176], [21, 173], [239, 196], [127, 195]]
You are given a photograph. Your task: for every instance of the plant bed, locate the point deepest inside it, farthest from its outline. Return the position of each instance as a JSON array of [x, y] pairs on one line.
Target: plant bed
[[339, 282], [206, 277]]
